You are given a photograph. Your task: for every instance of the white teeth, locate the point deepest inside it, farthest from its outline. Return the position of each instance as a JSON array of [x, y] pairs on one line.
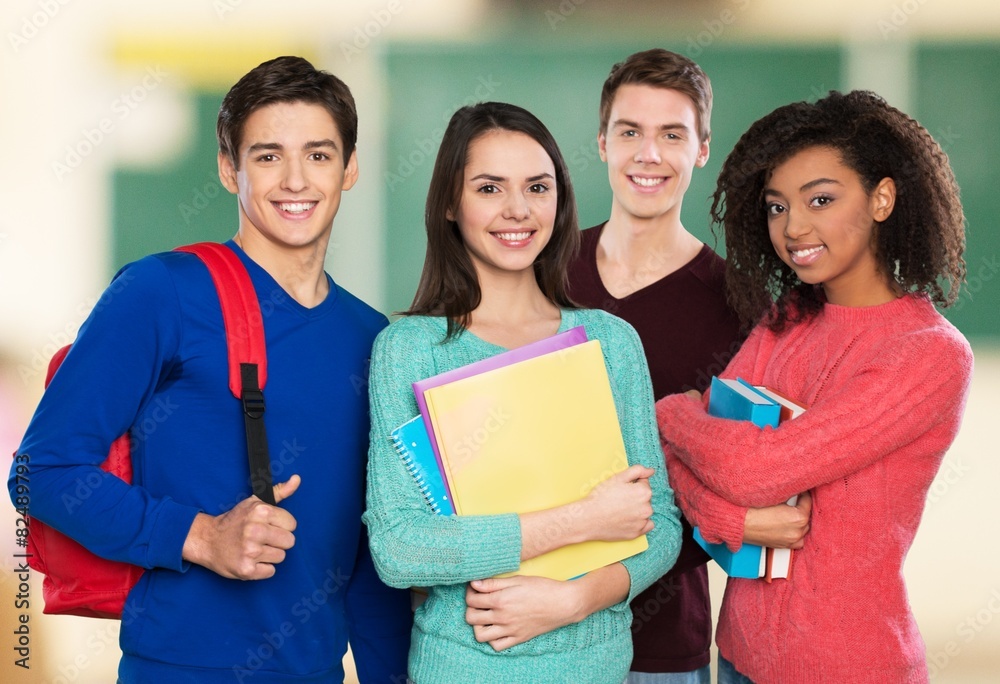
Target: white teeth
[[806, 252], [513, 237], [646, 182], [296, 207]]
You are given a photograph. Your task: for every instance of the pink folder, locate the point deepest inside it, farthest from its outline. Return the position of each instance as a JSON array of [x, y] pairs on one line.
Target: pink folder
[[559, 341]]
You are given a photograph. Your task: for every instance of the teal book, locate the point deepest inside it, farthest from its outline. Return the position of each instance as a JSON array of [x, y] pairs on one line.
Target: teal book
[[738, 400], [414, 446], [749, 562]]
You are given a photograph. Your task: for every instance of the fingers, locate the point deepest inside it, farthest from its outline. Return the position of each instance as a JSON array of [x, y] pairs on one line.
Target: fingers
[[271, 515], [285, 489]]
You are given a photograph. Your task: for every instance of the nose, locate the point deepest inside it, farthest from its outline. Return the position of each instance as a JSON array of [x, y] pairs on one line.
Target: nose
[[294, 178], [517, 207], [648, 152], [796, 225]]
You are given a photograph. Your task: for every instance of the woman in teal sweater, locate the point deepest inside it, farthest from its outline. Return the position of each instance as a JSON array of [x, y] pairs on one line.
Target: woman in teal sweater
[[501, 227]]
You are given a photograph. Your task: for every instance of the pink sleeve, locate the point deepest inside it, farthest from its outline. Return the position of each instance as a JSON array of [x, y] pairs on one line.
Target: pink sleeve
[[885, 404], [717, 519]]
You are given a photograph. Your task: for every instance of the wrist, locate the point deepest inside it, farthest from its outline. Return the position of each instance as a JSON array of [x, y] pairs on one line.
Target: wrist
[[196, 543]]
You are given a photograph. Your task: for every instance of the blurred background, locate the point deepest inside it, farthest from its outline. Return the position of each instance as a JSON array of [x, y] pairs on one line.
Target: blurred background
[[108, 125]]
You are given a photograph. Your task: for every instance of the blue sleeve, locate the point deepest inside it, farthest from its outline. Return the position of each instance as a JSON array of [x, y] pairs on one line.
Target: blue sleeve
[[124, 349], [379, 621]]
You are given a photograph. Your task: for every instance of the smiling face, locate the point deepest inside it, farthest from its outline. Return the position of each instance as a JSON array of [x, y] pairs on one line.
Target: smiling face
[[651, 145], [507, 205], [291, 174], [822, 224]]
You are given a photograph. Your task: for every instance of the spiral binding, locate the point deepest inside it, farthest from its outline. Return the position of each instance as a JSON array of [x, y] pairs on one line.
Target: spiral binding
[[411, 467]]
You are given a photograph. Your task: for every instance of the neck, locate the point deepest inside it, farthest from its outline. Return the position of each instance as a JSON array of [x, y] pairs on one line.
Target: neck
[[635, 252], [299, 271], [870, 291], [513, 311]]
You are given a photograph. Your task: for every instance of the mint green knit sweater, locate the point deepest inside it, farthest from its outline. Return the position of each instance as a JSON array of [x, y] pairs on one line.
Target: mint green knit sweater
[[412, 546]]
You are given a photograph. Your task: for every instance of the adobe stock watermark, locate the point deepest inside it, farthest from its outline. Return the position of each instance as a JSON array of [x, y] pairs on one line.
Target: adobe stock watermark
[[156, 415], [895, 20], [950, 474], [563, 12], [201, 199], [967, 630], [121, 108], [303, 610], [31, 25], [715, 27], [976, 278], [425, 148], [99, 641], [468, 446], [365, 33]]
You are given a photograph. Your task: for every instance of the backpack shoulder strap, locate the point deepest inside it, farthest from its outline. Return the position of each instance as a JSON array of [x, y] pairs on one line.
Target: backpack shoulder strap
[[247, 352], [240, 311]]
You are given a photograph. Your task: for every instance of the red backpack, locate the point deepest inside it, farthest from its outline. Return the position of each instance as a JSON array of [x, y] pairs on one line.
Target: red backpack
[[77, 582]]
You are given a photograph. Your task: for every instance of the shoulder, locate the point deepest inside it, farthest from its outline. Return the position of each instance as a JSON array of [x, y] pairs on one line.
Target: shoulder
[[361, 313], [709, 269], [154, 281], [606, 327], [589, 237], [414, 332], [929, 335]]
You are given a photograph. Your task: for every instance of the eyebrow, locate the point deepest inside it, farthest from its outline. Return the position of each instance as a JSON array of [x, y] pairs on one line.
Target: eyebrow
[[273, 146], [500, 179], [664, 127], [808, 186]]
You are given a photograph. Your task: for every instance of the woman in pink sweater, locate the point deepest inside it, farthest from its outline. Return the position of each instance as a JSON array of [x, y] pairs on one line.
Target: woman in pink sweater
[[843, 229]]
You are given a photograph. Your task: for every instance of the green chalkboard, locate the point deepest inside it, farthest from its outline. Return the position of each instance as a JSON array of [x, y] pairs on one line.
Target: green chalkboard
[[958, 100], [562, 85]]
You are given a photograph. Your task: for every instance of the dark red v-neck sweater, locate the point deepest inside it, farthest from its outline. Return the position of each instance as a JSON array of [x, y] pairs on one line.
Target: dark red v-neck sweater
[[689, 335]]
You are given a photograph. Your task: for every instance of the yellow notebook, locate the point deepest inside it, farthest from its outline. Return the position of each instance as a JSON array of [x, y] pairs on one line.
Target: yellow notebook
[[533, 435]]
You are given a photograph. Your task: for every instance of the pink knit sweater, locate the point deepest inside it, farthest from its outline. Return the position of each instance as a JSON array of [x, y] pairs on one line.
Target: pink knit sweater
[[886, 386]]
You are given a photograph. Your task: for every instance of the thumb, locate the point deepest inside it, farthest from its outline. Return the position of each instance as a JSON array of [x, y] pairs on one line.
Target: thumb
[[805, 502], [486, 586], [285, 489], [637, 472]]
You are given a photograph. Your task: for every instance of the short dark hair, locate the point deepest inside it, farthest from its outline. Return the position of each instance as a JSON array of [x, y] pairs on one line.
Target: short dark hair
[[661, 68], [918, 246], [448, 284], [285, 79]]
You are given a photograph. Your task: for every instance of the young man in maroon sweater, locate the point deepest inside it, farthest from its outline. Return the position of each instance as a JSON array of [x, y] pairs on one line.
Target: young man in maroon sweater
[[645, 267]]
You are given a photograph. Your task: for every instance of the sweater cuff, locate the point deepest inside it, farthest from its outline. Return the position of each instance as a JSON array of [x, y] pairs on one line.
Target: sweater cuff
[[727, 522], [494, 544], [169, 532]]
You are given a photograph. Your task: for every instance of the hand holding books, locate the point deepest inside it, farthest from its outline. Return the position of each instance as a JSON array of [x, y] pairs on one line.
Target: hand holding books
[[536, 436], [739, 400]]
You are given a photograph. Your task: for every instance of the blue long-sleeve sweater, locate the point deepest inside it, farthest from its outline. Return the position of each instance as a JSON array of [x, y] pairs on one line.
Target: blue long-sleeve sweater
[[152, 357]]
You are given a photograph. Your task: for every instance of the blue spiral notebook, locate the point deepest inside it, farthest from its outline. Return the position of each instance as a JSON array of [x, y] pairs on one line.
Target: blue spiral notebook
[[414, 446]]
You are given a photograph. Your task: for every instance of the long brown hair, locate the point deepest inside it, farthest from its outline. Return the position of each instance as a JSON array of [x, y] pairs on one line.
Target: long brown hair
[[448, 284]]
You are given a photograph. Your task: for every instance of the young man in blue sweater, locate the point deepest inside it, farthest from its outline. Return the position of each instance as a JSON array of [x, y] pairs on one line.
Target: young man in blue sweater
[[235, 590]]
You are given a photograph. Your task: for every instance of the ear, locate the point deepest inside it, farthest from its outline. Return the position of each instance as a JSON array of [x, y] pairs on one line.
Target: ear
[[883, 199], [602, 146], [702, 157], [227, 173], [351, 171], [450, 215]]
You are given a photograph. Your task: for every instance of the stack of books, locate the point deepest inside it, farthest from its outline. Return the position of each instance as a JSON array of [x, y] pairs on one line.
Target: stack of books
[[526, 430], [764, 407]]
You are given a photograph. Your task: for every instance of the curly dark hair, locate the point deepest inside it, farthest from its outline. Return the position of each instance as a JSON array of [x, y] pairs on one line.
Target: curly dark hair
[[919, 245]]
